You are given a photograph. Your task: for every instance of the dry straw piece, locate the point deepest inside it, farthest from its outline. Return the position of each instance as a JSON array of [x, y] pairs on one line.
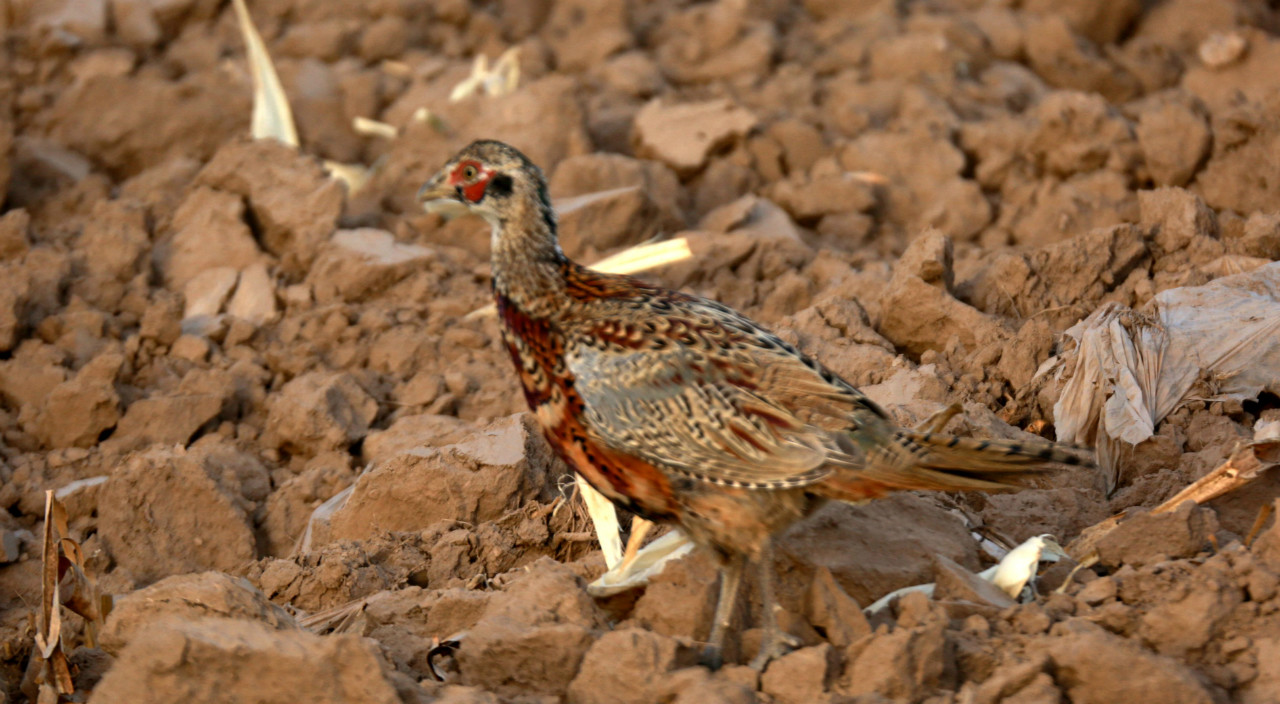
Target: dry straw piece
[[63, 583]]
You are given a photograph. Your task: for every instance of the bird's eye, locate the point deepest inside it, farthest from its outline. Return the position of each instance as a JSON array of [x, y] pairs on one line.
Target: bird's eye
[[468, 172]]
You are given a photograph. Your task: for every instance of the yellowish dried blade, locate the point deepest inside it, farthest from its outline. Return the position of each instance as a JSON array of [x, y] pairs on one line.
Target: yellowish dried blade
[[1242, 467], [49, 618], [649, 562], [505, 77], [424, 116], [272, 117], [399, 69], [502, 79], [645, 256], [605, 518], [354, 176], [373, 128], [472, 83], [871, 177], [630, 261]]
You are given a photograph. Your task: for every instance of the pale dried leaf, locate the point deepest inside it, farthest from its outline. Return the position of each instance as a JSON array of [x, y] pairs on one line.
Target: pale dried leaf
[[1021, 564], [354, 176], [883, 602], [327, 621], [79, 485], [1130, 369], [648, 563], [564, 206], [321, 513], [502, 79], [373, 128], [48, 637], [605, 519], [629, 261], [272, 117], [1012, 573]]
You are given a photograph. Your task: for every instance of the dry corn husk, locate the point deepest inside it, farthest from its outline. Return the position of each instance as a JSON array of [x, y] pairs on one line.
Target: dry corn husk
[[605, 519], [1130, 369], [648, 562], [1011, 574]]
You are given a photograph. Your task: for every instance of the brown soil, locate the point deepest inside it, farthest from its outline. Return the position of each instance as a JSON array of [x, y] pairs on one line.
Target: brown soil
[[924, 195]]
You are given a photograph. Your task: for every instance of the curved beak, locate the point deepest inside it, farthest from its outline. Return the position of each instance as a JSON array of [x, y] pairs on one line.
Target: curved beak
[[437, 196]]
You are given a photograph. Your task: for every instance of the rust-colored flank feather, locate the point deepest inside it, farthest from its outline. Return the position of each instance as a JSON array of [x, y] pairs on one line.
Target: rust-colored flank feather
[[682, 410]]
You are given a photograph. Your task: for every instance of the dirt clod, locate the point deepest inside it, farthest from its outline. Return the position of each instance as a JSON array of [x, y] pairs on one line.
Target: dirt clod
[[1095, 666], [683, 136], [1151, 537], [196, 523], [800, 676], [624, 666], [292, 201], [246, 660], [498, 469], [189, 597], [317, 410]]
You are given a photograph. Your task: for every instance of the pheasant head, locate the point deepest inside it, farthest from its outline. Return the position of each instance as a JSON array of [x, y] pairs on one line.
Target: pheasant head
[[492, 180], [501, 185]]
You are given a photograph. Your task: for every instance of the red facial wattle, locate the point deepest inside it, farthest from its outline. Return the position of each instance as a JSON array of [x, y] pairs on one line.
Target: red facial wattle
[[475, 191], [472, 189]]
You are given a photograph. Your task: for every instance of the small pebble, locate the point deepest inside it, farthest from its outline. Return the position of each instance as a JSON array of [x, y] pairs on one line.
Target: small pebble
[[1221, 50]]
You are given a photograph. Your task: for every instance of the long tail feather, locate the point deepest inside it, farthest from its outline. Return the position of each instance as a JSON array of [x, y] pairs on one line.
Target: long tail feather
[[936, 461]]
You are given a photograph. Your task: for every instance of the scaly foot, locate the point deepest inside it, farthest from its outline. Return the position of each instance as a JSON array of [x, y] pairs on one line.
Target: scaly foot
[[711, 658], [772, 648]]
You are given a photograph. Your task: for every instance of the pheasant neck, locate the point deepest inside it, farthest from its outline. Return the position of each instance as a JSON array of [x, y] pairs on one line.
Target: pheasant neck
[[528, 265]]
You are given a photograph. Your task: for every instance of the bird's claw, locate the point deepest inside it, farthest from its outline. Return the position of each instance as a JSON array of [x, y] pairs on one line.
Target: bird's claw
[[711, 658], [774, 648]]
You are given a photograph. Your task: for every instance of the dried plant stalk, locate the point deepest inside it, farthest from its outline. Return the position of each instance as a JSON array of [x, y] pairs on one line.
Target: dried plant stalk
[[272, 117], [52, 675], [1242, 467]]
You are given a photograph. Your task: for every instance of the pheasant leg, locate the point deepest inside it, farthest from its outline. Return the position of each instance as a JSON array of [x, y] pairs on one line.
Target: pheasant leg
[[730, 578], [773, 642]]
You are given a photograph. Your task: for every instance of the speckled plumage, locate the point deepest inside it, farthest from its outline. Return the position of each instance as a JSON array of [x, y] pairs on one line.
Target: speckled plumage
[[681, 409]]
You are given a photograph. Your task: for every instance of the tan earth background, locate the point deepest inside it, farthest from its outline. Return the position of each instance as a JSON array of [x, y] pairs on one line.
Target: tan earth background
[[204, 337]]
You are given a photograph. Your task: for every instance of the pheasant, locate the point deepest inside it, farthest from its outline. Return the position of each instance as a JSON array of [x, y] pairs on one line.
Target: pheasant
[[682, 410]]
